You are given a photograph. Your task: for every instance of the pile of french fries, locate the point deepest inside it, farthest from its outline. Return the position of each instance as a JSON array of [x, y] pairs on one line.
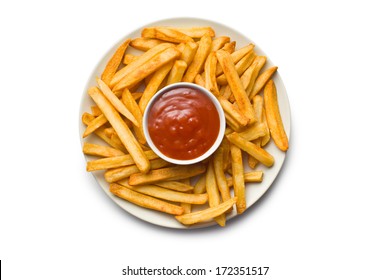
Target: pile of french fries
[[168, 55]]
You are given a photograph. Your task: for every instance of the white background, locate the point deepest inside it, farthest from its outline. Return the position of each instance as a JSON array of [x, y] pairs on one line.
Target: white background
[[326, 216]]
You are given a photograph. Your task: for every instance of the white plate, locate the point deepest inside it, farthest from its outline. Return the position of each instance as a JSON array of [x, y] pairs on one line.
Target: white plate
[[254, 190]]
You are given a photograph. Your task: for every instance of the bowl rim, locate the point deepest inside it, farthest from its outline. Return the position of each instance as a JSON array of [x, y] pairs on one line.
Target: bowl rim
[[222, 123]]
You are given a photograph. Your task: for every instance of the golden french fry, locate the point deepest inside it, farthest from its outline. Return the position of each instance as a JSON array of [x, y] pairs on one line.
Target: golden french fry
[[170, 195], [95, 111], [219, 42], [188, 52], [141, 60], [130, 103], [258, 105], [114, 100], [145, 44], [197, 63], [225, 60], [144, 200], [213, 192], [210, 77], [196, 32], [249, 177], [249, 76], [238, 178], [240, 67], [119, 173], [167, 174], [254, 131], [166, 34], [129, 58], [229, 47], [148, 68], [117, 161], [175, 185], [262, 80], [207, 214], [153, 85], [265, 139], [274, 119], [233, 112], [114, 62], [261, 155], [87, 118], [200, 81], [232, 123], [177, 72], [220, 174], [101, 151], [236, 55], [123, 131], [95, 124], [200, 186]]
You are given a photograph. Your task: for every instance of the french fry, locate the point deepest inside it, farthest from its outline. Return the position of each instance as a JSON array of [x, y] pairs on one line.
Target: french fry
[[200, 81], [95, 111], [238, 178], [232, 123], [196, 32], [144, 200], [144, 58], [119, 173], [166, 34], [274, 118], [170, 195], [130, 103], [249, 77], [123, 131], [265, 139], [129, 58], [210, 77], [145, 44], [153, 85], [207, 214], [177, 72], [249, 177], [117, 161], [114, 62], [200, 186], [262, 80], [146, 69], [240, 66], [189, 51], [220, 174], [101, 151], [95, 124], [167, 174], [219, 42], [236, 55], [260, 154], [212, 191], [175, 185], [229, 47], [118, 105], [258, 105], [225, 60], [197, 63], [254, 131], [87, 118], [233, 112]]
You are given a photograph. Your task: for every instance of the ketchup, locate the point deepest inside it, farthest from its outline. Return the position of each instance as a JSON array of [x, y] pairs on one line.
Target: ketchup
[[183, 123]]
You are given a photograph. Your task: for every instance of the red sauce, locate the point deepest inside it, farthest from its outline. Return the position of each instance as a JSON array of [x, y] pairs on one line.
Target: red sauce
[[183, 123]]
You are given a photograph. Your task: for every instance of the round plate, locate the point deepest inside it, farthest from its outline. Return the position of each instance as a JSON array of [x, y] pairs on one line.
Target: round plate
[[253, 190]]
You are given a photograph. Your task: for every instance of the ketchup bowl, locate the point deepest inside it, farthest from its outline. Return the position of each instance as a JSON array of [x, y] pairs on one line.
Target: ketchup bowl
[[184, 123]]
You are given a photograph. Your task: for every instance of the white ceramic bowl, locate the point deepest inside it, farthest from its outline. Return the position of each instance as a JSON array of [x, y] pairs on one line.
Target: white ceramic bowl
[[222, 123]]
